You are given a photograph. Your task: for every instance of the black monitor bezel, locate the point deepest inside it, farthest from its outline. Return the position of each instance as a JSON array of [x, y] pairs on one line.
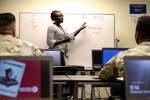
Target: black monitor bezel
[[93, 62]]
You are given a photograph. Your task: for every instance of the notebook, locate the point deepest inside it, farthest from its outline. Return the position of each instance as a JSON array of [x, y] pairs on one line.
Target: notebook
[[55, 55], [108, 53], [137, 77], [25, 78]]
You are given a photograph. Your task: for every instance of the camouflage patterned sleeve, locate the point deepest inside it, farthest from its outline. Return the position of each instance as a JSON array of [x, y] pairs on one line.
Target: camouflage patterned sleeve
[[109, 72], [37, 51]]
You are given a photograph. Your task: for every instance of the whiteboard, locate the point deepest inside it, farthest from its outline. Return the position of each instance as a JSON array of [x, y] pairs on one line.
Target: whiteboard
[[100, 32]]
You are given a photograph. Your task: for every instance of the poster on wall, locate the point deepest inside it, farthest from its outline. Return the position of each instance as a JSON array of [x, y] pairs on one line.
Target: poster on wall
[[137, 10]]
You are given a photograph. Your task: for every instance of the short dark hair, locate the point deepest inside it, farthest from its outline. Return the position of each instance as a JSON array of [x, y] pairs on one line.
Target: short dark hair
[[6, 19], [53, 14], [143, 27]]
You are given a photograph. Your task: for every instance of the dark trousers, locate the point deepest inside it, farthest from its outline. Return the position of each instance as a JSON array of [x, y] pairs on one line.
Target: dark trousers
[[118, 91], [62, 59]]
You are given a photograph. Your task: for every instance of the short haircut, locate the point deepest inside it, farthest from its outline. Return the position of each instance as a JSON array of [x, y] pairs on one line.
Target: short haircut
[[6, 19], [53, 14], [143, 27]]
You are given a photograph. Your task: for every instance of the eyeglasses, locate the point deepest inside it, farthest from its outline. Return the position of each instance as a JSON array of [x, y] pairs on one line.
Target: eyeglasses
[[59, 16]]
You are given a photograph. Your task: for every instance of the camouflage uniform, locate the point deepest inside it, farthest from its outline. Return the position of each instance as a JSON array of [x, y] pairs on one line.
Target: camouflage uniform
[[10, 46], [115, 67]]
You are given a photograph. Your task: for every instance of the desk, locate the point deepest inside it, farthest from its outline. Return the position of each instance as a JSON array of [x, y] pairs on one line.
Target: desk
[[60, 80], [79, 79]]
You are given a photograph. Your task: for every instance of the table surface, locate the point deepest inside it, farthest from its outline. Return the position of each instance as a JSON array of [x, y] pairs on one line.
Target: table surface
[[79, 78], [60, 78]]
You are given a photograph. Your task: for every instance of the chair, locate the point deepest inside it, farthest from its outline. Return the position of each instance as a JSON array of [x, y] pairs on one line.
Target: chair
[[67, 89]]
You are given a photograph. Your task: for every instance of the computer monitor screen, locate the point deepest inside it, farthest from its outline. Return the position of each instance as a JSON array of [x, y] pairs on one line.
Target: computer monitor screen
[[55, 55], [137, 73], [25, 78], [96, 59], [108, 53]]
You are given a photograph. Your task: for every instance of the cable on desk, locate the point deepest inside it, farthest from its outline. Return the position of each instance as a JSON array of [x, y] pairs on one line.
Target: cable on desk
[[68, 77]]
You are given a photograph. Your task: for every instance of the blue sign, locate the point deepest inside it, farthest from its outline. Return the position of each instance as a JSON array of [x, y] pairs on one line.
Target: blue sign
[[137, 8]]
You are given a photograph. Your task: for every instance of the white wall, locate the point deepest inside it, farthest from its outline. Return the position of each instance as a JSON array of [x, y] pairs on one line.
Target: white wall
[[124, 29]]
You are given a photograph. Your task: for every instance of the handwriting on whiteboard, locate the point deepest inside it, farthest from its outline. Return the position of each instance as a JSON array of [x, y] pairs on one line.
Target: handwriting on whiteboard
[[95, 23], [33, 21], [95, 29]]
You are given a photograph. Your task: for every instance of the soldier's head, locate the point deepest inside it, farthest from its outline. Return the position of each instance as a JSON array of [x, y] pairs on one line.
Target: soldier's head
[[143, 29], [7, 24]]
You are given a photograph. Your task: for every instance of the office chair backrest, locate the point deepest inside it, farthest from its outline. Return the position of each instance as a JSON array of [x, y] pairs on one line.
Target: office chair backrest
[[64, 70]]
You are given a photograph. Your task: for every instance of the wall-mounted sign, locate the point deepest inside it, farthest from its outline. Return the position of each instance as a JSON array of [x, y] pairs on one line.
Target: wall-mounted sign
[[137, 8]]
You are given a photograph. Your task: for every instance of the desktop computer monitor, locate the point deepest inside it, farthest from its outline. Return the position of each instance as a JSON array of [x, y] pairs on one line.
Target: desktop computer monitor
[[55, 55], [108, 53], [96, 59], [26, 78], [137, 72]]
